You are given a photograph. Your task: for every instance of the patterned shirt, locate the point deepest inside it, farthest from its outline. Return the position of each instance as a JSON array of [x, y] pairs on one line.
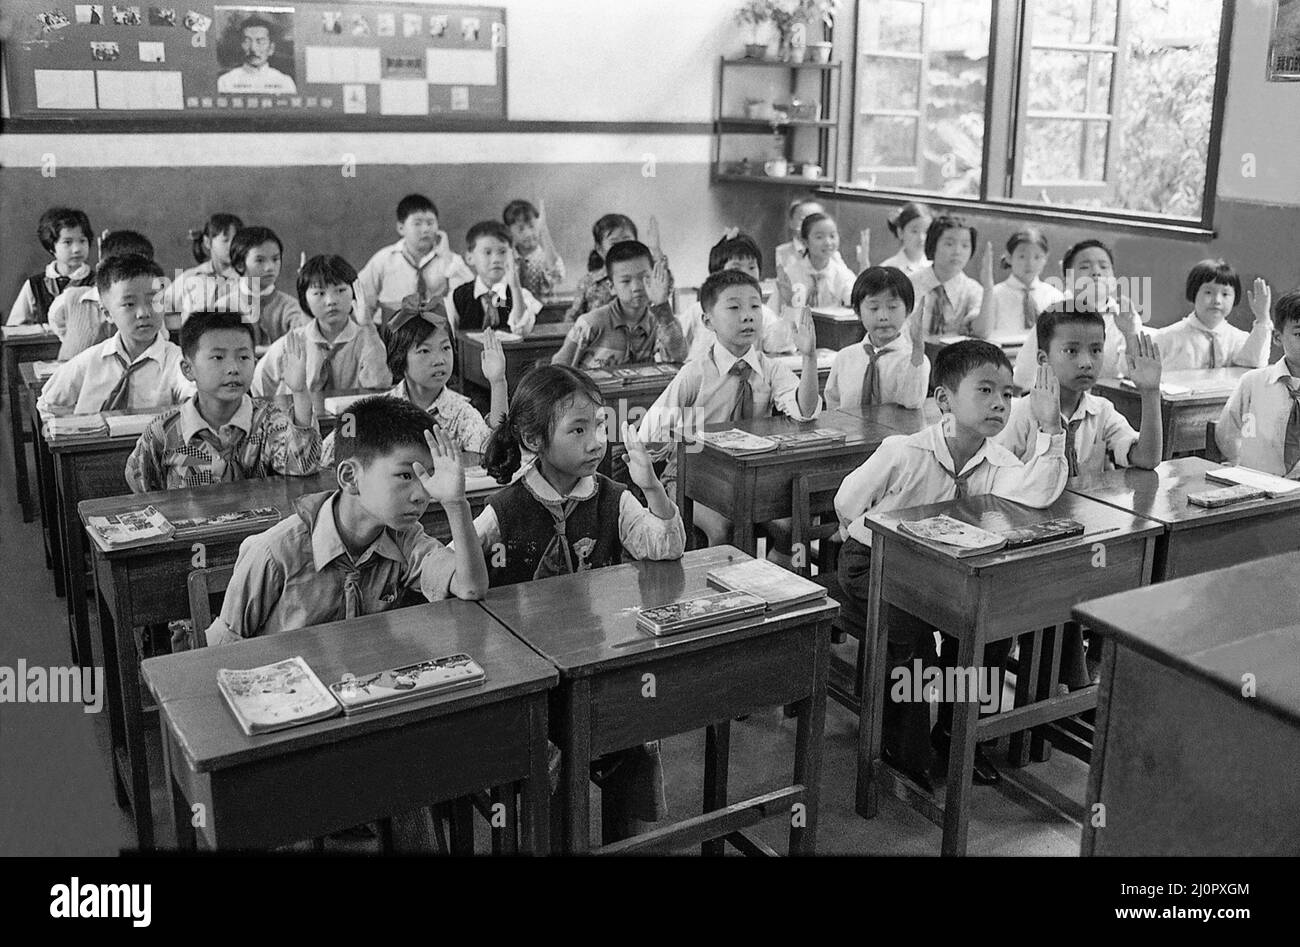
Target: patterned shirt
[[179, 449], [536, 276], [605, 336], [454, 414]]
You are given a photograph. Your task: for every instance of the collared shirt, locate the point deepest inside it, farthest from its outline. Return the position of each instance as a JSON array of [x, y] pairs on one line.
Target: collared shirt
[[522, 325], [198, 289], [788, 251], [359, 360], [81, 385], [1009, 302], [24, 307], [537, 276], [705, 392], [299, 573], [1187, 344], [595, 289], [454, 413], [835, 280], [1114, 361], [390, 275], [1252, 426], [777, 333], [899, 261], [916, 469], [901, 382], [1101, 428], [79, 320], [256, 79], [965, 294], [272, 312], [602, 337], [179, 449]]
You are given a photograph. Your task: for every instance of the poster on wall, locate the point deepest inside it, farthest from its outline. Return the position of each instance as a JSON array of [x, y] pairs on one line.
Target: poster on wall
[[1284, 47]]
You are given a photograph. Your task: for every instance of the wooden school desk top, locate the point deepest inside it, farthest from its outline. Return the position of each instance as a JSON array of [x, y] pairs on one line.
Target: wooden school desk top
[[1185, 385], [186, 683], [861, 429], [1218, 626], [586, 623]]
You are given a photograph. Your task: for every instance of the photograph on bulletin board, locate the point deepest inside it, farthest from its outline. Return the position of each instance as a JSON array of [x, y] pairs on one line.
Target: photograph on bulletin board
[[1284, 47], [278, 63]]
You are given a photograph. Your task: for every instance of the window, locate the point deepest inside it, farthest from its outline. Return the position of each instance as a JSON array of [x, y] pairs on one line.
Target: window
[[1101, 105]]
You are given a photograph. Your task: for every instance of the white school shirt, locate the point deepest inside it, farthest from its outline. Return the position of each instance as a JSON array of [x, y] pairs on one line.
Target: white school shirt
[[1101, 428], [80, 386], [900, 261], [388, 277], [1114, 353], [901, 382], [261, 80], [787, 251], [836, 280], [1261, 395], [360, 355], [777, 334], [1186, 344], [522, 326], [965, 294], [1009, 303], [24, 307], [704, 392], [912, 470]]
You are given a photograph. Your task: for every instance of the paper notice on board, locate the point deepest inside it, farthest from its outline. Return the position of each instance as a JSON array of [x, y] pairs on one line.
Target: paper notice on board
[[354, 99], [65, 88], [140, 91], [331, 65], [461, 66], [403, 97]]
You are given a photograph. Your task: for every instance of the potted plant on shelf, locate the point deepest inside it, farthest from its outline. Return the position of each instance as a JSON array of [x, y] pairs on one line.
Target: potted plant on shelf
[[792, 19], [753, 15]]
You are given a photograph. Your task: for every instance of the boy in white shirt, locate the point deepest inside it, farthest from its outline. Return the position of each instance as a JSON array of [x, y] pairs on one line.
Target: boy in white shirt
[[887, 367], [494, 299], [956, 457], [1204, 339], [735, 251]]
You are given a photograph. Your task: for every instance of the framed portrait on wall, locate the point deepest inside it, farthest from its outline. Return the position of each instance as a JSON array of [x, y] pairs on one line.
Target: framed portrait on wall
[[1284, 44]]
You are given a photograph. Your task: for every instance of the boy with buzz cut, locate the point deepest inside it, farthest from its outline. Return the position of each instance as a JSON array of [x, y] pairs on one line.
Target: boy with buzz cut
[[735, 251], [136, 368], [954, 458], [77, 316], [637, 325], [495, 299], [420, 264], [65, 235], [1260, 424], [222, 434], [890, 365]]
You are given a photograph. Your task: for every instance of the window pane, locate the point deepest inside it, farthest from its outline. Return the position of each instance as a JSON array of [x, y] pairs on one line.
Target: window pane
[[890, 84], [887, 142], [1064, 151], [1069, 82], [1075, 21], [890, 24]]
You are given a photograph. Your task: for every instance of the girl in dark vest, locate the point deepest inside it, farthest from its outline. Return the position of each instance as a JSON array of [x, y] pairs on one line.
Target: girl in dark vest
[[563, 516], [65, 235]]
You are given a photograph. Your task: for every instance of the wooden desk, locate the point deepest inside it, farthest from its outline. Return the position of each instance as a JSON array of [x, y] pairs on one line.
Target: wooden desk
[[18, 349], [1196, 539], [837, 327], [1184, 414], [701, 679], [147, 585], [1186, 763], [46, 486], [625, 394], [825, 359], [308, 781], [981, 599], [536, 347], [755, 488]]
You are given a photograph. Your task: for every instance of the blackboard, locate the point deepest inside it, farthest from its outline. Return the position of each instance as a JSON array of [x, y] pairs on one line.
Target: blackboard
[[278, 64]]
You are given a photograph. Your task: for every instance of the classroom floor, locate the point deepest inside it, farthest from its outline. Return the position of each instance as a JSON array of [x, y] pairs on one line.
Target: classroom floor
[[57, 798]]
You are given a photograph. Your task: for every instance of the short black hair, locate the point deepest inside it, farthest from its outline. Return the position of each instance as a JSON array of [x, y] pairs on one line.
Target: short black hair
[[376, 426], [414, 204], [323, 270], [218, 225], [123, 242], [519, 209], [883, 279], [55, 219], [1212, 271], [954, 362], [258, 21], [248, 238], [739, 247], [811, 221], [487, 228], [406, 337], [941, 225], [119, 269], [1067, 261], [200, 324], [1064, 313], [1286, 309], [909, 212], [625, 251], [800, 202], [722, 279]]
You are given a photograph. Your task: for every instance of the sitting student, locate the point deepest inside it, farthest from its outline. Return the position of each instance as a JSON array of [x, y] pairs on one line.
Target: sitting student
[[909, 224], [1260, 425], [1204, 339], [420, 356], [221, 434], [1089, 270], [954, 458], [800, 208], [494, 299], [541, 270], [201, 286], [65, 234], [134, 369], [638, 325], [596, 289], [77, 316], [735, 251], [888, 367], [954, 302], [341, 353], [420, 264], [561, 517], [255, 254], [817, 276], [1013, 305]]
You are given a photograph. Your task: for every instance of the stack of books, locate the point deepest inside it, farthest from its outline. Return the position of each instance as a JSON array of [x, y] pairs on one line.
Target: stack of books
[[961, 539], [147, 525], [780, 589], [1271, 485], [701, 611], [74, 425], [738, 442]]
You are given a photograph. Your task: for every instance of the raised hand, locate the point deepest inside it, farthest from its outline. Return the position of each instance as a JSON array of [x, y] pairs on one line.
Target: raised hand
[[1144, 366], [805, 333], [864, 249], [658, 284], [1126, 317], [1045, 400], [639, 465], [1261, 300], [446, 484], [916, 322], [494, 359], [986, 266], [512, 270], [293, 363], [652, 238]]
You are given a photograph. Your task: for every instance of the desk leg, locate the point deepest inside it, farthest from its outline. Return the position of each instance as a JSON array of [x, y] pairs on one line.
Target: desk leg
[[536, 794], [21, 479], [685, 505], [1031, 648], [717, 756], [462, 826], [128, 674], [742, 505], [575, 766], [871, 688], [1040, 748], [47, 492], [961, 752], [112, 689], [1168, 413], [186, 838], [811, 714], [74, 565]]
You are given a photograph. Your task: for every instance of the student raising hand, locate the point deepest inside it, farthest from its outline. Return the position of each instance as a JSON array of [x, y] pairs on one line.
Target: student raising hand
[[1045, 400], [652, 239], [916, 328], [805, 334], [864, 248], [658, 284], [1144, 364], [447, 482], [494, 358], [986, 266], [1127, 319], [293, 363], [640, 468], [1261, 300]]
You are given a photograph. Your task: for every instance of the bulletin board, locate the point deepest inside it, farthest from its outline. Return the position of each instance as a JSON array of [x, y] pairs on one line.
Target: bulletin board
[[281, 64]]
